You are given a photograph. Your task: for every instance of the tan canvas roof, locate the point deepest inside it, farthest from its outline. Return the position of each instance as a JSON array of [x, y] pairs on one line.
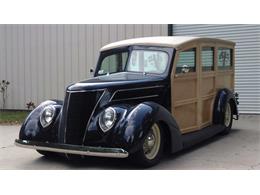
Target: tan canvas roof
[[167, 41]]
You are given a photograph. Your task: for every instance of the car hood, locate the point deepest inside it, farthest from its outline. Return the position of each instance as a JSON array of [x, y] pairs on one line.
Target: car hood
[[117, 80]]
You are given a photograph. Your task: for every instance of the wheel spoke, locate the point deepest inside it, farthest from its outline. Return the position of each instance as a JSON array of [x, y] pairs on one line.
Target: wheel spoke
[[152, 142], [227, 116]]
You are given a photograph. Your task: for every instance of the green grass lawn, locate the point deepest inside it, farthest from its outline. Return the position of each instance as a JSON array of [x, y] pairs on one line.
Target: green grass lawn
[[12, 117]]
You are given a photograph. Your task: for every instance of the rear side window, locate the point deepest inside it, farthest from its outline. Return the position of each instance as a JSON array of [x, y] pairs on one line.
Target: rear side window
[[187, 61], [207, 55], [224, 58]]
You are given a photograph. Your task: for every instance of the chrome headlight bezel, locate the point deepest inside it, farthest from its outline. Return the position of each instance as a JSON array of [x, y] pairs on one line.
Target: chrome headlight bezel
[[48, 111], [106, 127]]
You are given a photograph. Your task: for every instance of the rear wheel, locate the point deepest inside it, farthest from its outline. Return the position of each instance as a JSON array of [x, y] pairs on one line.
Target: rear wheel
[[227, 118], [152, 148]]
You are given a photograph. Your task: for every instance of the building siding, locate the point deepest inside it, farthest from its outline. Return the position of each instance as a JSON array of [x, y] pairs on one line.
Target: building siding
[[41, 60], [247, 69]]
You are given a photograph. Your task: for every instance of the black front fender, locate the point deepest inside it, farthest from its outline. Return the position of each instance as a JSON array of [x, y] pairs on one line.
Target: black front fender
[[31, 128], [133, 125]]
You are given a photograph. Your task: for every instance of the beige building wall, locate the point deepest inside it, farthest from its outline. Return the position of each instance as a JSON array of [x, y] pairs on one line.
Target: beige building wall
[[41, 60]]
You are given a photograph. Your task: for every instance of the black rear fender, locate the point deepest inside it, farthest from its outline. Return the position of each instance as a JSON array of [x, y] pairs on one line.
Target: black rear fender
[[224, 96]]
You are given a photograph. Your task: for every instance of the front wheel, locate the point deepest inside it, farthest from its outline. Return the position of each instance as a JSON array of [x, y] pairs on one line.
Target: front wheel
[[227, 118], [152, 148]]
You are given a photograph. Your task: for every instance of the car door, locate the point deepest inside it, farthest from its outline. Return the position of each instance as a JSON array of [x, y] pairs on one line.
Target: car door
[[184, 91], [207, 79]]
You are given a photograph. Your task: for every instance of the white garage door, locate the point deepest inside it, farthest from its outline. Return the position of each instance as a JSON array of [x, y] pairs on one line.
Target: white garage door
[[247, 76]]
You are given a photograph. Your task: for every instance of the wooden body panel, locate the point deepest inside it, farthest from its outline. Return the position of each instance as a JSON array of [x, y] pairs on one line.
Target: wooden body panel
[[185, 102], [185, 96], [225, 79], [194, 93]]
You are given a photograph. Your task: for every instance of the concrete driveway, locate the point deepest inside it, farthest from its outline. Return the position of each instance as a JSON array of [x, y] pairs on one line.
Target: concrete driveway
[[238, 150]]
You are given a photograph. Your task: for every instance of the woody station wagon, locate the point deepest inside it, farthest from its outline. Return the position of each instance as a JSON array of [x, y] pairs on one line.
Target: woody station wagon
[[148, 96]]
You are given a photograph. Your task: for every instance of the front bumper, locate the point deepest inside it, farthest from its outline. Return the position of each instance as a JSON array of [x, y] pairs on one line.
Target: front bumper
[[73, 149]]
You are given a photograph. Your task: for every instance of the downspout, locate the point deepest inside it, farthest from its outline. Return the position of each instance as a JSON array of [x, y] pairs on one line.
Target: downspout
[[170, 29]]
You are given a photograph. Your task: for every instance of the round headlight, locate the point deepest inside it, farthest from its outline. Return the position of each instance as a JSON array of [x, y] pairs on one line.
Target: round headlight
[[47, 115], [107, 119]]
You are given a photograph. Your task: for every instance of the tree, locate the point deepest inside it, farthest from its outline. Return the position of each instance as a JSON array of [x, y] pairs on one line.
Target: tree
[[3, 89]]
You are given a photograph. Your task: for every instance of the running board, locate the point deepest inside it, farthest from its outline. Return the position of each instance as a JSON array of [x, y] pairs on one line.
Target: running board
[[193, 138]]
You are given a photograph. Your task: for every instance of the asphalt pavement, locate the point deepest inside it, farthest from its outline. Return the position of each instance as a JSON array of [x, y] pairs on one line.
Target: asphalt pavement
[[238, 150]]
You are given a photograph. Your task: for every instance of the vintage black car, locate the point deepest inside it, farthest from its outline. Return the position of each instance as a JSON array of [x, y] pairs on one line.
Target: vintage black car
[[148, 96]]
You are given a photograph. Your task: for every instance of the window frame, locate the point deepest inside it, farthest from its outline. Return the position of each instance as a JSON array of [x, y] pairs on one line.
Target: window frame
[[230, 68], [104, 54], [169, 50], [104, 58], [196, 51], [151, 50], [214, 56]]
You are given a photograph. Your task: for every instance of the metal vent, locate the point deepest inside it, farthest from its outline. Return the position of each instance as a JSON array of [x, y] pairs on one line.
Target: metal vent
[[75, 118]]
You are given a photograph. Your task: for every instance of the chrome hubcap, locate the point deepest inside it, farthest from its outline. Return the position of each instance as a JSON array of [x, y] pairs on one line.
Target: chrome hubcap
[[227, 118], [152, 143]]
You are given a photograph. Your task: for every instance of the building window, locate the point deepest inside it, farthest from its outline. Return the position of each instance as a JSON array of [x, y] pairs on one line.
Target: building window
[[224, 58], [187, 61], [207, 55]]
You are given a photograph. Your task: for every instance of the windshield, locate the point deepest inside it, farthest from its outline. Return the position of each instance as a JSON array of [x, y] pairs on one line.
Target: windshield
[[145, 61]]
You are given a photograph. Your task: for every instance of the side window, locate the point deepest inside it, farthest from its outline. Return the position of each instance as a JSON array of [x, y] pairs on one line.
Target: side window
[[207, 58], [224, 58], [187, 61]]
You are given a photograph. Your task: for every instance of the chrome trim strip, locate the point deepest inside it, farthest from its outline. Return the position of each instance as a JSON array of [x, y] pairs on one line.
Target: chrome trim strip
[[65, 121], [73, 149], [151, 87], [91, 115], [67, 108], [136, 98], [83, 91]]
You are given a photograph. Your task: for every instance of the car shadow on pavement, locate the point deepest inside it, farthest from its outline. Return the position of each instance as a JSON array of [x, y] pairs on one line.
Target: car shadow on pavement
[[90, 163], [124, 164], [202, 144]]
